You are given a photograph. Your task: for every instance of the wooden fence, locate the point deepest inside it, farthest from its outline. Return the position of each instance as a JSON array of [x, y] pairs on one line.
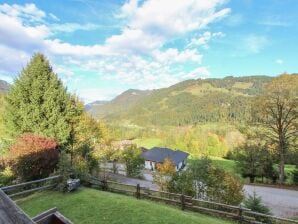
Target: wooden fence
[[241, 214], [31, 186]]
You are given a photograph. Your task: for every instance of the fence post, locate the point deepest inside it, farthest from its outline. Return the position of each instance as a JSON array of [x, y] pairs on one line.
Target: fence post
[[240, 214], [182, 200], [104, 185], [138, 193]]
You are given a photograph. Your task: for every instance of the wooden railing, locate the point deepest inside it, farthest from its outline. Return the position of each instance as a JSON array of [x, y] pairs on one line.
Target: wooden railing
[[31, 186], [239, 213]]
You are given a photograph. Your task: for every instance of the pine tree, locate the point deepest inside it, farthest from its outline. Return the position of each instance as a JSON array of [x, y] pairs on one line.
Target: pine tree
[[38, 103], [254, 202]]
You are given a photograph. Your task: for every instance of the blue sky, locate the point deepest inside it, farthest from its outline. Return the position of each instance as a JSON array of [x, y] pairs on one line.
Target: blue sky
[[102, 48]]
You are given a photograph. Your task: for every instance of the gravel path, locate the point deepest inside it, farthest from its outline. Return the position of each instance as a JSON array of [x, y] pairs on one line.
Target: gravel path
[[282, 202]]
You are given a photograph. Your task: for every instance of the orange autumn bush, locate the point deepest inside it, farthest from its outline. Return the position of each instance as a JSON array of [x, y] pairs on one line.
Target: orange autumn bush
[[33, 157]]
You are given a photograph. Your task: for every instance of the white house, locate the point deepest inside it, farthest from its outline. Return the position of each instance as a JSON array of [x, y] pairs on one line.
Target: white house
[[157, 155]]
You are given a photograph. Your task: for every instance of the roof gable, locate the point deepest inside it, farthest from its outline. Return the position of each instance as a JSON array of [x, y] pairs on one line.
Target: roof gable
[[158, 154]]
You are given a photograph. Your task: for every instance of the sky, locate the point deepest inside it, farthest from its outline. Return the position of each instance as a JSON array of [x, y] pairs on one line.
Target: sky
[[102, 48]]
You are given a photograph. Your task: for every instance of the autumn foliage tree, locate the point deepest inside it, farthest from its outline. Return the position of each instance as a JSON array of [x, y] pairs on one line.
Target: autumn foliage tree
[[33, 157], [164, 173], [277, 112]]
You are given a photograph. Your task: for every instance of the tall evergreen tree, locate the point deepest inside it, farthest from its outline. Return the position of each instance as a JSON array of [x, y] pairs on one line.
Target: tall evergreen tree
[[38, 103]]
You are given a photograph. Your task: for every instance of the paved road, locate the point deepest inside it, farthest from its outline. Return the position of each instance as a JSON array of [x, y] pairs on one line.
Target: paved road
[[282, 202], [133, 181]]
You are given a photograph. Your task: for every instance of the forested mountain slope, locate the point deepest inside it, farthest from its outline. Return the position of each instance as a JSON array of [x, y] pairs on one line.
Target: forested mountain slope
[[120, 104], [188, 102]]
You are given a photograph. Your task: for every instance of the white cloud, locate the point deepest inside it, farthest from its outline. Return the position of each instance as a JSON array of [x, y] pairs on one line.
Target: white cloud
[[128, 9], [274, 21], [279, 61], [204, 38], [58, 47], [12, 60], [200, 72], [15, 35], [134, 41], [137, 56], [27, 11], [71, 27], [234, 20], [179, 16], [51, 15], [66, 73], [255, 43], [93, 94], [172, 55]]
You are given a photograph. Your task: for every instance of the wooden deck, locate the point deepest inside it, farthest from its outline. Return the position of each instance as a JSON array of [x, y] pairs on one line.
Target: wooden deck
[[10, 213]]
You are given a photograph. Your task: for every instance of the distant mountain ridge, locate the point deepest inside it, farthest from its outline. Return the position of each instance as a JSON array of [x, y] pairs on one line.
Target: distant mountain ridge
[[89, 106], [119, 104], [187, 102], [4, 87]]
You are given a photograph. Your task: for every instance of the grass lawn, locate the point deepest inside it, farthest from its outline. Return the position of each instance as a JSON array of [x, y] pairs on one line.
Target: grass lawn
[[227, 165], [147, 142], [94, 206], [230, 165]]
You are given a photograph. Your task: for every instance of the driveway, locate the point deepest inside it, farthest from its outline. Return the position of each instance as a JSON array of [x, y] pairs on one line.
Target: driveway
[[282, 202], [133, 181]]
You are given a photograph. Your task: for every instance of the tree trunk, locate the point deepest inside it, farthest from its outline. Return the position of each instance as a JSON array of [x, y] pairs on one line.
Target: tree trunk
[[281, 170], [281, 159], [252, 179]]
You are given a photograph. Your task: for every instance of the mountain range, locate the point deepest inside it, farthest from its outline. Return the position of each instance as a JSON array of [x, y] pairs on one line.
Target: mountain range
[[187, 102], [4, 87]]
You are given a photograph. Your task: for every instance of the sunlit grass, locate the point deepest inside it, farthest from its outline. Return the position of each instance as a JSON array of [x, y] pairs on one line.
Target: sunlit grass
[[147, 142], [94, 206]]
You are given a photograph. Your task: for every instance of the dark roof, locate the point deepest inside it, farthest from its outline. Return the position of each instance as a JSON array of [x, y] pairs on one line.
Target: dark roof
[[157, 154]]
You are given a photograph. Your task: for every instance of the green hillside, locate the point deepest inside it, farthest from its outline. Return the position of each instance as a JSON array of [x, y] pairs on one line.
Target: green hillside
[[188, 102]]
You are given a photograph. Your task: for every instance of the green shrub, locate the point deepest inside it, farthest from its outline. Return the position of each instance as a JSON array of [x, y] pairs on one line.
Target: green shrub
[[182, 183], [6, 176], [214, 183], [133, 160]]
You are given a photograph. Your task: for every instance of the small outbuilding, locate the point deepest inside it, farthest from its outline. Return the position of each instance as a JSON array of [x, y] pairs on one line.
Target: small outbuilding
[[158, 155]]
